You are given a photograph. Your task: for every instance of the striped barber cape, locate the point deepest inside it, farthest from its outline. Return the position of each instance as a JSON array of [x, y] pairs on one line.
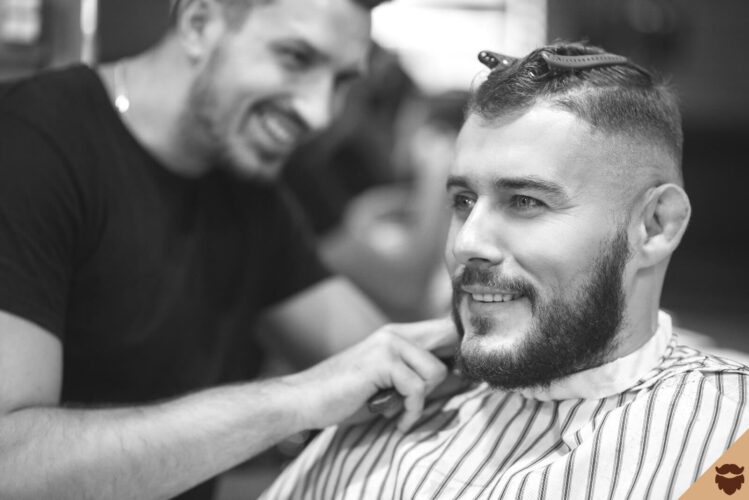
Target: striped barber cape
[[644, 426]]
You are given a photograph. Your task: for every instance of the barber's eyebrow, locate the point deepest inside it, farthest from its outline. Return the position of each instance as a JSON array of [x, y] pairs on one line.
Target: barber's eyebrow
[[352, 72], [302, 44], [529, 183]]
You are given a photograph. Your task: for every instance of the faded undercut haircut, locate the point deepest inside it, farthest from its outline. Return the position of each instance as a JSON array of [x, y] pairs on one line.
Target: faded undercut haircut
[[236, 11], [615, 99]]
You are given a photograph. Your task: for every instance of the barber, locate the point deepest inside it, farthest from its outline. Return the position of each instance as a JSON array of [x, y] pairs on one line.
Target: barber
[[142, 235]]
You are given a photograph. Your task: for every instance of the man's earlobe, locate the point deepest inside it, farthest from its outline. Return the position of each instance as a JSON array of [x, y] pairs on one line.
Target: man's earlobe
[[664, 220], [194, 25]]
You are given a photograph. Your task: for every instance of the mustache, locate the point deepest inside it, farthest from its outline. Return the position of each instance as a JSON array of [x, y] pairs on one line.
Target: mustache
[[482, 276], [729, 469]]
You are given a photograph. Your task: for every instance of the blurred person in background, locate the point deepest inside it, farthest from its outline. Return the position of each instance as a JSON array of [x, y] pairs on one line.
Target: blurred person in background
[[567, 204], [390, 238], [141, 234], [372, 185]]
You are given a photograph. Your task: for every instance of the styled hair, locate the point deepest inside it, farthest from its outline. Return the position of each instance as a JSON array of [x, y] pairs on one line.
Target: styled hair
[[618, 98], [236, 11]]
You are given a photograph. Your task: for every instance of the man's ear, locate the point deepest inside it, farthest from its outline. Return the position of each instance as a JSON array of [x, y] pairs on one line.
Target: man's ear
[[198, 25], [662, 223]]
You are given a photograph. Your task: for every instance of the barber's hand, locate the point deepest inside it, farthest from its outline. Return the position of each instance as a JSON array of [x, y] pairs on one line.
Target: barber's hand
[[335, 389], [441, 338], [438, 336]]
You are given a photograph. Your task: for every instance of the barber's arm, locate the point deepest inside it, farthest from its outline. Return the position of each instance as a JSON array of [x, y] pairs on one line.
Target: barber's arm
[[160, 450], [333, 315], [320, 321]]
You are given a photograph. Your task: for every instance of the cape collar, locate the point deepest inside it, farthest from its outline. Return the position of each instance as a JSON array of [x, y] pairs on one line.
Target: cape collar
[[613, 377]]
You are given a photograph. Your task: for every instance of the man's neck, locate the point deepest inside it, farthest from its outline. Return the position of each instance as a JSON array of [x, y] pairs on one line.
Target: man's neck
[[156, 85], [640, 318]]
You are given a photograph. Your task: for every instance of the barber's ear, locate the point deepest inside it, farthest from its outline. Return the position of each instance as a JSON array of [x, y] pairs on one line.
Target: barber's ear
[[199, 23], [662, 223]]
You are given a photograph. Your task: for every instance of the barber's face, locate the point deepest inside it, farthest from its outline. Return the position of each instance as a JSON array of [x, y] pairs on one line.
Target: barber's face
[[535, 249], [279, 77]]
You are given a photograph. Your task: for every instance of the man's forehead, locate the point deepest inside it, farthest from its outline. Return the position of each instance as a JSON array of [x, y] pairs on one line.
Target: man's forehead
[[540, 139], [545, 144]]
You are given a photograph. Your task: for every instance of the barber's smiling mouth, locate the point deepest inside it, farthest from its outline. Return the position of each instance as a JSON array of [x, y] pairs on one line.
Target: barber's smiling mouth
[[275, 129]]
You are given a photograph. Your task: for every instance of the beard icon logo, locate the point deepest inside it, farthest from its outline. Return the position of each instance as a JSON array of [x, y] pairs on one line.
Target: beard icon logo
[[729, 484]]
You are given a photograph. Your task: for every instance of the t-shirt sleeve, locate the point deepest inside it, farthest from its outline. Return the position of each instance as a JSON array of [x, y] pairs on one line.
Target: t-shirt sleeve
[[39, 218], [294, 263]]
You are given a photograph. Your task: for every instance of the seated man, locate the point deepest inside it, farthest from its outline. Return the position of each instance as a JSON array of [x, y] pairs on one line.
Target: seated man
[[568, 201]]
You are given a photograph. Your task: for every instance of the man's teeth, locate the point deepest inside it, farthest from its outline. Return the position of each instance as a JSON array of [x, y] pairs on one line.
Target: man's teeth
[[493, 297], [278, 129]]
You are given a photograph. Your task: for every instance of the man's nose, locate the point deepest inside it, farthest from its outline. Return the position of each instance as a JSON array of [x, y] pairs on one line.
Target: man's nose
[[315, 102], [477, 240]]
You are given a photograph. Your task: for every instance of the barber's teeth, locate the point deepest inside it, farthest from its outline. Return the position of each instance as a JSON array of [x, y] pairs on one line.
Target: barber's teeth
[[493, 297], [278, 129]]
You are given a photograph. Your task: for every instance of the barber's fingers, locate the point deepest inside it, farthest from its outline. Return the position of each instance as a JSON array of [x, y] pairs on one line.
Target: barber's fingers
[[418, 374], [431, 370], [413, 389], [335, 389], [437, 335]]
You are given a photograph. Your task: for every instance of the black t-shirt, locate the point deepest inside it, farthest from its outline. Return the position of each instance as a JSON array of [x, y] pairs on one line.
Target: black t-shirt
[[149, 279]]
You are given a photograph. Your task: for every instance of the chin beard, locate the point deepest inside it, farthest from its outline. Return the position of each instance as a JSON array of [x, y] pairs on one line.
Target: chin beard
[[567, 336]]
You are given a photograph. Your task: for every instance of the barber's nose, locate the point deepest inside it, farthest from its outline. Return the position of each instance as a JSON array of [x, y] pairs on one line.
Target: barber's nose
[[316, 101], [477, 240]]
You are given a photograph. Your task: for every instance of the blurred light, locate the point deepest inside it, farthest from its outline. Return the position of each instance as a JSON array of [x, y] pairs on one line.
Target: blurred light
[[438, 40], [651, 17], [89, 16], [20, 21]]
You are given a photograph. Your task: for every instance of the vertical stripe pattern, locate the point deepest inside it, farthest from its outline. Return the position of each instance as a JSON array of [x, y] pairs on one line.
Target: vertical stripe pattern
[[650, 441]]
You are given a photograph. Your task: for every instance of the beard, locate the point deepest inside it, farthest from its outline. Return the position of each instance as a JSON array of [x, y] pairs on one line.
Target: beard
[[566, 336], [203, 125], [199, 124]]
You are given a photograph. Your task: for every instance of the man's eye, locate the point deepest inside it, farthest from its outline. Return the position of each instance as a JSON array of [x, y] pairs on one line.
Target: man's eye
[[461, 203], [294, 58], [523, 202]]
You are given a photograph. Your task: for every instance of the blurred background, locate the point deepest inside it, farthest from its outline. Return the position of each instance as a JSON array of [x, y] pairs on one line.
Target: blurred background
[[373, 184]]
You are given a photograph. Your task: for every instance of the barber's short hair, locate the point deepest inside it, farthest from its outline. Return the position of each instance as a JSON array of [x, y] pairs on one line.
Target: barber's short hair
[[236, 11], [614, 97]]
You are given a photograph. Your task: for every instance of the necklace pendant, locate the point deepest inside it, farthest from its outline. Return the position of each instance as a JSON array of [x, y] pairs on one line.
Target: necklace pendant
[[122, 103]]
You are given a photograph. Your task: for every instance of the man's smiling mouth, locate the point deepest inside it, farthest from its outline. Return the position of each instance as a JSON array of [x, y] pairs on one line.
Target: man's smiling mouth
[[491, 295], [495, 297], [281, 128]]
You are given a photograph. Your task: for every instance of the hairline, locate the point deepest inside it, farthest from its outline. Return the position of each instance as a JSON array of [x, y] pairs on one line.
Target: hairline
[[556, 101]]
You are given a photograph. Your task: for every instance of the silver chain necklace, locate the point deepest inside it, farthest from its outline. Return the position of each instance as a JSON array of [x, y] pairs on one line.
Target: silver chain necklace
[[121, 99]]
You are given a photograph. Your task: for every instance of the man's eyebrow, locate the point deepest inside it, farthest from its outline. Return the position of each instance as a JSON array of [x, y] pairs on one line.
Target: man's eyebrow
[[318, 56], [311, 50], [531, 183], [515, 183], [456, 181]]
